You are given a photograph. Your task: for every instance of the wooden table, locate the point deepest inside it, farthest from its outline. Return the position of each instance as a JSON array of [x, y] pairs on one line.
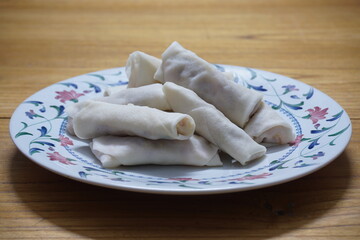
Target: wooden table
[[43, 42]]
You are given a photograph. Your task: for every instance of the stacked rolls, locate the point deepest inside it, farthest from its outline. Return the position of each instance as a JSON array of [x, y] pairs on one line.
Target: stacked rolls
[[176, 110]]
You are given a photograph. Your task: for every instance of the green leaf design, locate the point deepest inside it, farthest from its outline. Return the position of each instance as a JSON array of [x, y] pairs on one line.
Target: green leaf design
[[307, 116], [71, 160], [309, 94], [296, 106], [97, 75], [117, 74], [278, 166], [274, 162], [35, 150], [116, 172], [336, 116], [36, 103], [332, 142], [286, 91], [60, 110], [252, 72], [25, 125], [269, 80], [305, 139], [339, 132], [22, 134], [276, 107]]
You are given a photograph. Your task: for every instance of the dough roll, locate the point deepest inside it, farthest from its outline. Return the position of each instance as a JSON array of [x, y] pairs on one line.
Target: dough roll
[[140, 69], [99, 118], [148, 95], [186, 69], [266, 125], [213, 125], [114, 151]]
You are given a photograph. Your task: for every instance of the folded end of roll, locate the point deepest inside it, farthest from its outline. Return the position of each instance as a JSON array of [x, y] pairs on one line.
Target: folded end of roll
[[159, 74], [185, 127], [131, 61], [107, 161], [255, 154], [215, 161], [269, 127], [140, 68], [173, 49], [277, 135], [113, 90]]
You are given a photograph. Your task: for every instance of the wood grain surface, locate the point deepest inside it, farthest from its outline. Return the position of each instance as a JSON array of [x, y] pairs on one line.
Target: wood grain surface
[[43, 42]]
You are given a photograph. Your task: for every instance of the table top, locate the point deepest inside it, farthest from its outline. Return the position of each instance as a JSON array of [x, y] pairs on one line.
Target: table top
[[43, 42]]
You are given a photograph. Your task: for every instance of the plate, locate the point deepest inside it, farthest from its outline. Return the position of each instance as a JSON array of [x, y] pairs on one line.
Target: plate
[[323, 129]]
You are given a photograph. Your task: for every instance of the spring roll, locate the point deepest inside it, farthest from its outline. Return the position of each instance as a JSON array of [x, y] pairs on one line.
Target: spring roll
[[99, 118], [186, 69], [140, 69], [266, 125], [114, 151], [148, 95], [213, 125]]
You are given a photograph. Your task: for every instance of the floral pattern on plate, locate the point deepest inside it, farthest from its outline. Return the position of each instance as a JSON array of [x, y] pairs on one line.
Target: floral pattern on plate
[[322, 127]]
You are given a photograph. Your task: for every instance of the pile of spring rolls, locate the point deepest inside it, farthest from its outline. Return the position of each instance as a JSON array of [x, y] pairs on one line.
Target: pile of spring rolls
[[178, 110]]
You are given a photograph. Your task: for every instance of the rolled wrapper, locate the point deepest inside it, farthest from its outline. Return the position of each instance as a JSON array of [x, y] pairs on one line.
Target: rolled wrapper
[[186, 69], [112, 90], [149, 95], [229, 75], [213, 125], [114, 151], [99, 118], [266, 125], [140, 69]]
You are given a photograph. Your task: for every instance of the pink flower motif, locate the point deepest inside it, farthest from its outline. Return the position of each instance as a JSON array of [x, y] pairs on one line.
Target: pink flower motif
[[68, 96], [57, 157], [65, 141], [317, 114], [297, 141], [252, 177]]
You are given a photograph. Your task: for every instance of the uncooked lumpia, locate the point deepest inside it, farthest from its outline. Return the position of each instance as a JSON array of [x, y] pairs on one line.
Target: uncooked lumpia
[[99, 118], [213, 125], [148, 95], [114, 151], [266, 125], [140, 69], [186, 69]]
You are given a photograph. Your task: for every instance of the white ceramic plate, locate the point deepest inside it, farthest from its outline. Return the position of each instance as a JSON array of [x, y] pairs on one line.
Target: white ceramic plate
[[322, 127]]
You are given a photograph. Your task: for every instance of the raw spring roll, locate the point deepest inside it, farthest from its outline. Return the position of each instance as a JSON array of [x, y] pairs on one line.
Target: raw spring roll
[[266, 125], [140, 69], [114, 151], [213, 125], [99, 118], [148, 95], [186, 69]]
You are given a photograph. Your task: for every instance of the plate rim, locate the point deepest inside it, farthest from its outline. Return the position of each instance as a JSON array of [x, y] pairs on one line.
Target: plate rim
[[185, 191]]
